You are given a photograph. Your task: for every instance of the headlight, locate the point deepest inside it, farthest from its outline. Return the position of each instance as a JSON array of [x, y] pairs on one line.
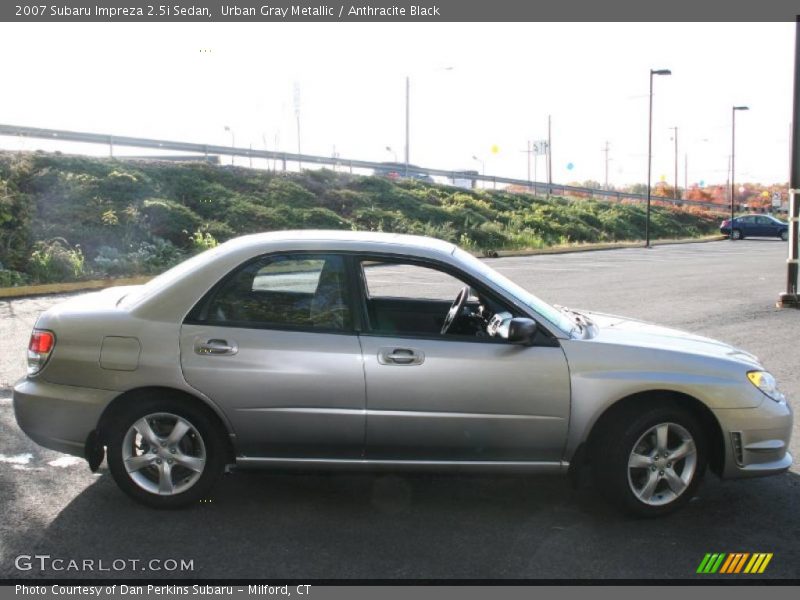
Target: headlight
[[767, 384]]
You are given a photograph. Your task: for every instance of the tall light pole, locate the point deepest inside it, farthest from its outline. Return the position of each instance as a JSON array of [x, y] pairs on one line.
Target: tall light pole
[[233, 140], [650, 151], [483, 165], [605, 150], [733, 158]]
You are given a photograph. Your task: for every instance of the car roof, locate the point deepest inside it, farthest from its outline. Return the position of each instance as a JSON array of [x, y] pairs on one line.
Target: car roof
[[343, 238]]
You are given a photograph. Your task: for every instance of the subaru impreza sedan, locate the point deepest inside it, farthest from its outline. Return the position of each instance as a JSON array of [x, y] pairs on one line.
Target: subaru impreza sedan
[[368, 350]]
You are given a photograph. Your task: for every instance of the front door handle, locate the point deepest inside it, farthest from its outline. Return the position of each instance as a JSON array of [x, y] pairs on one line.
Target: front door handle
[[215, 347], [400, 356]]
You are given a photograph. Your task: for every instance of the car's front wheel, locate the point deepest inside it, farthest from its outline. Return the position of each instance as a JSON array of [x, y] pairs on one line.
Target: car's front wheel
[[165, 453], [651, 460], [785, 235]]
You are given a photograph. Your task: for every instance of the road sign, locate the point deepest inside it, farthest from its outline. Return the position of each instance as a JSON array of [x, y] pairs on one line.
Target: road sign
[[776, 199], [540, 147]]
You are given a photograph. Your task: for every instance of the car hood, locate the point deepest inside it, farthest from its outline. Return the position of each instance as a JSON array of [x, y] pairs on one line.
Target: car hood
[[613, 329]]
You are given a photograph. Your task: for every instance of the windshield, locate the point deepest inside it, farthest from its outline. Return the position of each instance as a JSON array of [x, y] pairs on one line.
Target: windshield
[[552, 314]]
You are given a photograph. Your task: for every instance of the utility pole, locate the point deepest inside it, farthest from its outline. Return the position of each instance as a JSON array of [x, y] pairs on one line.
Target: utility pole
[[685, 173], [675, 190], [408, 112], [606, 153], [790, 298], [529, 164], [297, 117], [549, 156]]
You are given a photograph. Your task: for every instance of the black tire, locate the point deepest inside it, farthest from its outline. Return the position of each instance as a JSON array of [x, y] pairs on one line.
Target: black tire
[[617, 440], [212, 440], [737, 234], [784, 235]]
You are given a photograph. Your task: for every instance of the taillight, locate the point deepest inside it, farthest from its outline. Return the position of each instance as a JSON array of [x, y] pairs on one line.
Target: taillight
[[39, 349], [726, 222]]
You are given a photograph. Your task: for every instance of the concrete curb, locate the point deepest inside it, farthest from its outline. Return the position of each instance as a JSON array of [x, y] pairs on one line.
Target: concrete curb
[[97, 284], [66, 288], [598, 247]]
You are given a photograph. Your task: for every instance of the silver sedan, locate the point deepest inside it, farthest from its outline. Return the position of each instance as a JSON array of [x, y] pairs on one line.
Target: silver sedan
[[366, 350]]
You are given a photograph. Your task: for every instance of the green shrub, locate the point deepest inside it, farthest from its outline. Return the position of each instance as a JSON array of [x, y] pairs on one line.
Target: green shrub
[[145, 258], [55, 261], [169, 219], [11, 278]]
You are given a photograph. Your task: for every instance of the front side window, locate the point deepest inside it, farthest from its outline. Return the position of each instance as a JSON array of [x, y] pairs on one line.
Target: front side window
[[413, 299], [410, 281], [295, 291]]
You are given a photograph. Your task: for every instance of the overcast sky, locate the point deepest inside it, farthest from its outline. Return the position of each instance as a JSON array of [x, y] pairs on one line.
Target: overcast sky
[[473, 86]]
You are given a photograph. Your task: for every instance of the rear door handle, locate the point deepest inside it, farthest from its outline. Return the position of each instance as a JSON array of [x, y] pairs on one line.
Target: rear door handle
[[215, 347], [400, 356]]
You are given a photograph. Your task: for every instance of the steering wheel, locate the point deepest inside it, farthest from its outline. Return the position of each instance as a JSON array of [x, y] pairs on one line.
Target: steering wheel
[[456, 308]]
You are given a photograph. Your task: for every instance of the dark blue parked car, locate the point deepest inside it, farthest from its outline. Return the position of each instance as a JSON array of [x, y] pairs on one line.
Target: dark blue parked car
[[755, 226]]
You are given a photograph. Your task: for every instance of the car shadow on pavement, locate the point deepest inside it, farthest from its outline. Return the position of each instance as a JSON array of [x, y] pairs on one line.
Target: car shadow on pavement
[[412, 526]]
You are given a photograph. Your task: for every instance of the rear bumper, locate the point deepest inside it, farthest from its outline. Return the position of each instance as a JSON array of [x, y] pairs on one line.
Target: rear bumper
[[59, 417], [756, 439]]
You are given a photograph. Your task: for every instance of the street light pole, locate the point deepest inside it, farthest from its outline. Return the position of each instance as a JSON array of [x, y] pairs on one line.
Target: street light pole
[[233, 141], [650, 151], [483, 164], [733, 159]]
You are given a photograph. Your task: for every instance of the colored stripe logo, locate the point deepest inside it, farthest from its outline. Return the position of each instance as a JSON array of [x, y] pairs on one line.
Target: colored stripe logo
[[734, 563]]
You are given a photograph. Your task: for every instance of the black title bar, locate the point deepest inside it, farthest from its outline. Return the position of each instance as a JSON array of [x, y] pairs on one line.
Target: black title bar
[[395, 11]]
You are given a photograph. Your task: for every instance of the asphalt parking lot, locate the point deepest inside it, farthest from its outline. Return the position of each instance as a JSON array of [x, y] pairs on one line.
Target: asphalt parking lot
[[330, 526]]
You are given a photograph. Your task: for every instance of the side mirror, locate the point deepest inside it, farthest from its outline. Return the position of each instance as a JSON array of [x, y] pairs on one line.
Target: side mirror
[[521, 331]]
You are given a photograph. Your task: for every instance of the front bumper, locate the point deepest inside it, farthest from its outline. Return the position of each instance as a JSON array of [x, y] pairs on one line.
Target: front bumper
[[59, 417], [756, 439]]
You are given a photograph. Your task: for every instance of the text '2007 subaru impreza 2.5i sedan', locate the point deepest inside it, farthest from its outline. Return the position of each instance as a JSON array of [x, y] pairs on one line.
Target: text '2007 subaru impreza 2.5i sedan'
[[368, 350]]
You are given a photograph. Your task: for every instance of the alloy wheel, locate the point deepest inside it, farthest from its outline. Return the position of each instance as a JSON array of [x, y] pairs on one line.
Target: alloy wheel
[[163, 454], [662, 464]]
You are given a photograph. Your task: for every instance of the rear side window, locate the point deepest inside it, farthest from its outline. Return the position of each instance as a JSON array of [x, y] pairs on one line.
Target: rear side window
[[287, 291]]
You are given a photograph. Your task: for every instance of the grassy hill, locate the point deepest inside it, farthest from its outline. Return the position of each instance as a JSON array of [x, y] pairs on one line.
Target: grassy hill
[[64, 217]]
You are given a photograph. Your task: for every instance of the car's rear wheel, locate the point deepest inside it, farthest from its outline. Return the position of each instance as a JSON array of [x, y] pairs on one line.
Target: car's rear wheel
[[737, 234], [651, 460], [785, 235], [165, 453]]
